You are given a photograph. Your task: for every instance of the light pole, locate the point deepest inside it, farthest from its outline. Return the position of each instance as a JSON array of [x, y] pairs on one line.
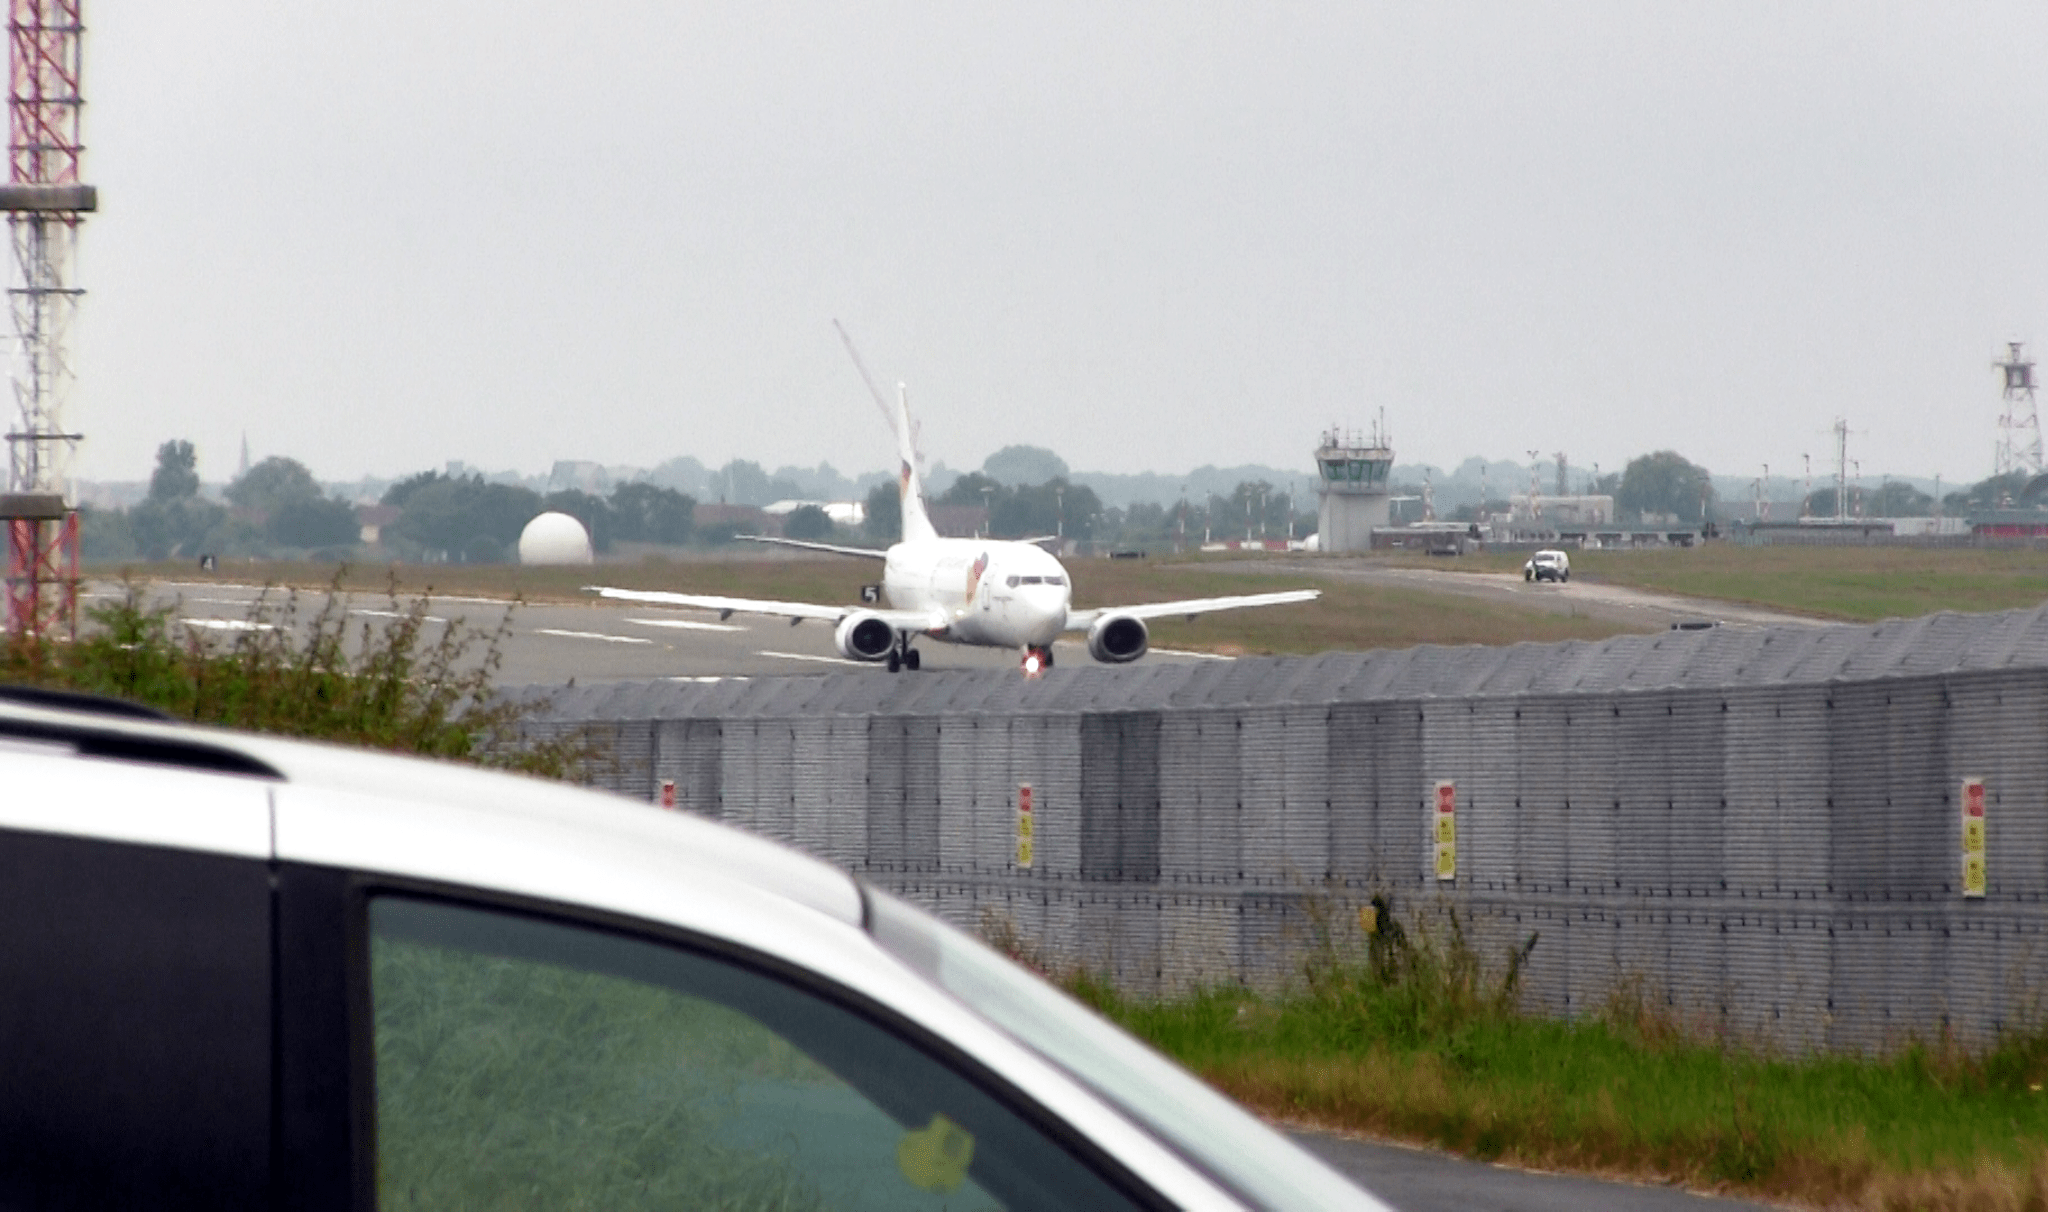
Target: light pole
[[1059, 499], [987, 516], [1181, 543]]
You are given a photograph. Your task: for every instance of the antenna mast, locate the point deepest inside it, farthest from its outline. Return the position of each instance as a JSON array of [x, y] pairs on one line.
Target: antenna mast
[[2019, 427], [45, 202]]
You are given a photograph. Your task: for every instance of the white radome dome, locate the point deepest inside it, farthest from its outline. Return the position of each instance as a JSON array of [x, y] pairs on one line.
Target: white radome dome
[[555, 538]]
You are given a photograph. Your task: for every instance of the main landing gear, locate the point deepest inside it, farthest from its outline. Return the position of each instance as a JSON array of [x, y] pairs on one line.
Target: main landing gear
[[1037, 660], [903, 656]]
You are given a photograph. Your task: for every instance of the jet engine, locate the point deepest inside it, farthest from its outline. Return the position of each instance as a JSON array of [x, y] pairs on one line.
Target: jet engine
[[1118, 639], [864, 636]]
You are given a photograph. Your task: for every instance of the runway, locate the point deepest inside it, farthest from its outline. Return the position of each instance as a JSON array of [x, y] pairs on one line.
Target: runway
[[598, 641]]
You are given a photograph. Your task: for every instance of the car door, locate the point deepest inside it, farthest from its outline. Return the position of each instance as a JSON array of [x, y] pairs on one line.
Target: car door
[[135, 984]]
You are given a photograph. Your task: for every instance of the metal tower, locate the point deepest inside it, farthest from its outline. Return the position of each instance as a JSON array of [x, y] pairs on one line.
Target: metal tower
[[45, 201], [2019, 429]]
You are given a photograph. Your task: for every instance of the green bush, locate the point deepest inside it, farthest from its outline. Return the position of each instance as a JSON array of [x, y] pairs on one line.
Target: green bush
[[399, 680]]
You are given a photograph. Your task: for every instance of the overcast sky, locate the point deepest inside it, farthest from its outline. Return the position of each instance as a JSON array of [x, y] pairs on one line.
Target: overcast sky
[[382, 235]]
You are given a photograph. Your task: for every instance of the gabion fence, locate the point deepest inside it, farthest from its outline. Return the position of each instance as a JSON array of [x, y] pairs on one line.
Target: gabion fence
[[1767, 829]]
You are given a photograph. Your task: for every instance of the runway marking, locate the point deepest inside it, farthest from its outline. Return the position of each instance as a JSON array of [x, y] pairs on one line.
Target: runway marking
[[687, 624], [805, 656], [591, 635], [228, 625], [214, 585], [706, 678], [396, 614], [1207, 656]]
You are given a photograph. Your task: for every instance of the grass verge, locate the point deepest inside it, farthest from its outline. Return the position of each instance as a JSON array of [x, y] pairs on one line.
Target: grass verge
[[1413, 1041], [406, 682]]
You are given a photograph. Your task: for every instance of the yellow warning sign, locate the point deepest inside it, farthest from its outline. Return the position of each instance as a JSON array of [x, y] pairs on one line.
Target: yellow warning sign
[[1975, 859], [1026, 831], [1446, 829]]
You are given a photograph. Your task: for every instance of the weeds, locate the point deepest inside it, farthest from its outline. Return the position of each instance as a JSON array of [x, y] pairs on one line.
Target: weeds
[[1409, 1031], [399, 680]]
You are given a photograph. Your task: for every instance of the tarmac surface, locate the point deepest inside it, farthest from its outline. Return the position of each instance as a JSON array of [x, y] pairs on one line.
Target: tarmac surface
[[601, 641], [1423, 1180], [552, 643]]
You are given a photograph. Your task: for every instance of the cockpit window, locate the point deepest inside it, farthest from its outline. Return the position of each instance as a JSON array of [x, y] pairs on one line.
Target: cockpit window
[[1055, 580], [1013, 581]]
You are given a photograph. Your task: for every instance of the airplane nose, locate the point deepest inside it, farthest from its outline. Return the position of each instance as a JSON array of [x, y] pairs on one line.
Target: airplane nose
[[1044, 615]]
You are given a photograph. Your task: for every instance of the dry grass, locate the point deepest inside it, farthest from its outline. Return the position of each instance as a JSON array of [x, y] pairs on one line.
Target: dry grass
[[1347, 618]]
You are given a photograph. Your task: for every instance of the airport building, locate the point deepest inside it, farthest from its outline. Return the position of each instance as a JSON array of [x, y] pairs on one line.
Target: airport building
[[1351, 479]]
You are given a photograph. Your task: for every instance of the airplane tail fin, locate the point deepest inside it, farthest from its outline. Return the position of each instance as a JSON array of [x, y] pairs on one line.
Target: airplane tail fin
[[917, 525]]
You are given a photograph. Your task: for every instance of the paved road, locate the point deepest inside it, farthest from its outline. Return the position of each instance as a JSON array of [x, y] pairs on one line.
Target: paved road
[[1421, 1180], [609, 641], [1615, 603]]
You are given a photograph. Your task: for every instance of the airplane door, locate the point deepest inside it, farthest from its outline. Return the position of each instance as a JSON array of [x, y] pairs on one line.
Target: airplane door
[[985, 597]]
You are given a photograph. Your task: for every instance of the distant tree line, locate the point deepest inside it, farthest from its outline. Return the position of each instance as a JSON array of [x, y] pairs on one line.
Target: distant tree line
[[276, 508], [468, 519]]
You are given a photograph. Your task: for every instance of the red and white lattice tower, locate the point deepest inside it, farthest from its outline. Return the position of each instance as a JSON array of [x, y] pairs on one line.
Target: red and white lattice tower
[[46, 200]]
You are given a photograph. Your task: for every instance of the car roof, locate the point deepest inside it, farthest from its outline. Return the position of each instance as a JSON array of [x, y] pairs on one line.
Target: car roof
[[430, 819]]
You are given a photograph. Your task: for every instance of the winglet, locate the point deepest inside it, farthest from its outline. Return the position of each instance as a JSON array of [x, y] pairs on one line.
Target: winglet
[[917, 526]]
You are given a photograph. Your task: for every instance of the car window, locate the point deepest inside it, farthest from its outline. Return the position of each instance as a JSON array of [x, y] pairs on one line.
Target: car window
[[1215, 1133], [531, 1063]]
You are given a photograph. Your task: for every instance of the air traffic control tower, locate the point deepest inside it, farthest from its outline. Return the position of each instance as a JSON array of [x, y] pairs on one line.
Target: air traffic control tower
[[1351, 478]]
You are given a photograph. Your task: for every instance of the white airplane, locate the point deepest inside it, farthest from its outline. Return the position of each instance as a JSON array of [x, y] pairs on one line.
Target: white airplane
[[1002, 593]]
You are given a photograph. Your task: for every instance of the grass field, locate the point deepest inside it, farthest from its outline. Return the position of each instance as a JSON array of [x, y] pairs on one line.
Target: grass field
[[1853, 583], [1348, 617], [1419, 1047]]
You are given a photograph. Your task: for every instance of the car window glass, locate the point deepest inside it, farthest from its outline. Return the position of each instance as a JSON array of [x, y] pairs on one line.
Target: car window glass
[[522, 1062]]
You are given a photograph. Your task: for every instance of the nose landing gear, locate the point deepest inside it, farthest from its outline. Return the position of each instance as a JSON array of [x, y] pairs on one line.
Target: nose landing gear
[[903, 656], [1037, 660]]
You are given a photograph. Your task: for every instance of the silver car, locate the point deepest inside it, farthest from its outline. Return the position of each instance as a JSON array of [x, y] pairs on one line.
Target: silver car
[[242, 971]]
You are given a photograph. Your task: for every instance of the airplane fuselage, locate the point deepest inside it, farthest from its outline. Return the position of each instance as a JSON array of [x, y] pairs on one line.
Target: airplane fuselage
[[996, 592]]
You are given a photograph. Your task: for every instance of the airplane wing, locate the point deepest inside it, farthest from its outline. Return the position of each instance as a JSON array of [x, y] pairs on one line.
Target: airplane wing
[[930, 621], [1082, 620], [872, 553]]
